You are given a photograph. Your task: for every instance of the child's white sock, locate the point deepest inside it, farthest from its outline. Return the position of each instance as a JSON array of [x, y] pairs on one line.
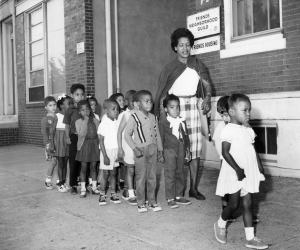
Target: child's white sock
[[131, 193], [83, 188], [90, 181], [222, 223], [249, 231], [94, 185], [48, 179]]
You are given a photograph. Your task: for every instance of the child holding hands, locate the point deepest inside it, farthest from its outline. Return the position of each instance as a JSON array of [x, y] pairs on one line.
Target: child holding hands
[[241, 170], [147, 148], [176, 149]]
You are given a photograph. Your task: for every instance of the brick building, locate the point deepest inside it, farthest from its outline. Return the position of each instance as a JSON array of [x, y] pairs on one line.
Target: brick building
[[125, 45]]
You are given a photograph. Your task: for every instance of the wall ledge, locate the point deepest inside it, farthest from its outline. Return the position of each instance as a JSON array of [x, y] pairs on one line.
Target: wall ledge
[[9, 121]]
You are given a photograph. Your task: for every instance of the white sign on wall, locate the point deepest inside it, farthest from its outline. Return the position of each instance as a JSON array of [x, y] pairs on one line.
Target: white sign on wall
[[80, 48], [206, 45], [204, 23]]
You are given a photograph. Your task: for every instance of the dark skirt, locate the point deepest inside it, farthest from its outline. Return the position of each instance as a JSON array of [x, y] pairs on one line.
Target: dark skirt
[[89, 151], [61, 147]]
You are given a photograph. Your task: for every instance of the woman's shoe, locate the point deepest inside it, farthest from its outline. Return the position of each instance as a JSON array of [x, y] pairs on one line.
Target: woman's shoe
[[197, 195]]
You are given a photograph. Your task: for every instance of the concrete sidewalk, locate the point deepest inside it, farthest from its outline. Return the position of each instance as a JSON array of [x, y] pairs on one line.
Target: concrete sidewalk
[[32, 217]]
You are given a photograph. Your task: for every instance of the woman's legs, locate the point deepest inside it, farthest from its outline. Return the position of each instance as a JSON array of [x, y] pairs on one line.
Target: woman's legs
[[194, 166]]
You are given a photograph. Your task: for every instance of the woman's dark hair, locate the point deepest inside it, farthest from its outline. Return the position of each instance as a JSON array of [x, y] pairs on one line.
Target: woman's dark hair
[[179, 33], [82, 103], [235, 98], [222, 104], [170, 98], [89, 97], [61, 101]]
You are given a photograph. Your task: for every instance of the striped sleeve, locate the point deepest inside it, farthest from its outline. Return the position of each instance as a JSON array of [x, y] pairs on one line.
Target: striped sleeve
[[129, 130]]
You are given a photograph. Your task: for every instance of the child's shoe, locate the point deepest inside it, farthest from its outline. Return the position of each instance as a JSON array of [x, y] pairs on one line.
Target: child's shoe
[[102, 200], [132, 201], [114, 198], [125, 195], [256, 244], [142, 209], [154, 207], [220, 233], [83, 194], [48, 185], [183, 201], [95, 191], [172, 204], [62, 188]]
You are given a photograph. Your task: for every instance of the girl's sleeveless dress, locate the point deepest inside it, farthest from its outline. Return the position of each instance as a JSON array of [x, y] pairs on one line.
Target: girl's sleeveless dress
[[89, 151], [243, 152], [61, 147]]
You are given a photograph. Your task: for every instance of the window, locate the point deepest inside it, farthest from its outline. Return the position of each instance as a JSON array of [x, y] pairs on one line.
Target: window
[[7, 76], [252, 17], [252, 26], [266, 142], [45, 51]]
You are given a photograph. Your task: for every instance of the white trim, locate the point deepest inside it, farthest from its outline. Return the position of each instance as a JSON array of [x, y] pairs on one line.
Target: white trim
[[251, 45], [26, 5], [9, 121]]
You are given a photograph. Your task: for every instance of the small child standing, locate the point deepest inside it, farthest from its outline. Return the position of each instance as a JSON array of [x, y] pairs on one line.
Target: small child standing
[[61, 146], [71, 116], [125, 153], [107, 133], [48, 127], [176, 146], [87, 145], [145, 145], [241, 170]]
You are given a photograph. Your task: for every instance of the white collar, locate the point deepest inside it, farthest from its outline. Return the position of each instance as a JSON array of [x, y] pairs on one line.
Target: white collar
[[175, 124]]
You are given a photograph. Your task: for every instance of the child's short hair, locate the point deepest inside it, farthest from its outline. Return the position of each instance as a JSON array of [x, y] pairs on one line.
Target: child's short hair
[[222, 104], [49, 99], [82, 103], [76, 86], [141, 93], [89, 97], [129, 95], [107, 102], [235, 98], [61, 99], [115, 96], [170, 98]]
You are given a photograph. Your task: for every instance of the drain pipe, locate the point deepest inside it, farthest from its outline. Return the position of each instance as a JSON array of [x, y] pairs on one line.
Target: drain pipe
[[108, 48], [117, 47]]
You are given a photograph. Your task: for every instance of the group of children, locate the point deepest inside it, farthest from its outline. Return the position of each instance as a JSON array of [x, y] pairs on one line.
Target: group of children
[[129, 143]]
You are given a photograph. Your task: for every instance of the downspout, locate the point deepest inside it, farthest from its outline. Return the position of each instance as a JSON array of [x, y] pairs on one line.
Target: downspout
[[117, 47], [108, 48]]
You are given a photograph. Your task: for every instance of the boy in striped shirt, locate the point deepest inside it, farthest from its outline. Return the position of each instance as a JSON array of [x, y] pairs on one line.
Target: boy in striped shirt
[[147, 148]]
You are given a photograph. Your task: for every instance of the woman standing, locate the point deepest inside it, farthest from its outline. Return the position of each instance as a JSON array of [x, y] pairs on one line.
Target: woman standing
[[181, 78]]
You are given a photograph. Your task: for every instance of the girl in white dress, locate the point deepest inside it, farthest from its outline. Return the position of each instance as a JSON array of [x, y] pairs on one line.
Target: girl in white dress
[[241, 170]]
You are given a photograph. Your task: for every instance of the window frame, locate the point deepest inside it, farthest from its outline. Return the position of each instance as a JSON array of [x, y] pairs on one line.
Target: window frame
[[251, 43]]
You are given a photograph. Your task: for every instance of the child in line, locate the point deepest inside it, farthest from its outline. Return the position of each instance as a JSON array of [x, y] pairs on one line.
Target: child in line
[[107, 133], [93, 103], [71, 116], [119, 97], [87, 145], [241, 170], [176, 146], [61, 146], [125, 153], [48, 127], [145, 144]]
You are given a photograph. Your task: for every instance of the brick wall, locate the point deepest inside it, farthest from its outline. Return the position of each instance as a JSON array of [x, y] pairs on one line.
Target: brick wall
[[79, 28], [9, 136], [273, 71]]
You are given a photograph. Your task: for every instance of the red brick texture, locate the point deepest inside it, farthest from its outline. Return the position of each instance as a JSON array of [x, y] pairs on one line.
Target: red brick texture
[[274, 71], [9, 136]]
